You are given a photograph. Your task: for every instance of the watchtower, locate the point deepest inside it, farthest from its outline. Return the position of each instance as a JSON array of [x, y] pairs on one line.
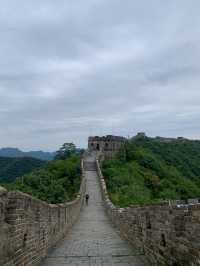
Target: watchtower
[[108, 145]]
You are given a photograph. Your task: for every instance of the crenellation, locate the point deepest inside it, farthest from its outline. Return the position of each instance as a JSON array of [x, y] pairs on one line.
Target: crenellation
[[108, 145], [29, 227], [167, 232]]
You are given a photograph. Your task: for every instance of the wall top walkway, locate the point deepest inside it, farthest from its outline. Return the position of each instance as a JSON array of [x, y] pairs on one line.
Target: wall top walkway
[[93, 240]]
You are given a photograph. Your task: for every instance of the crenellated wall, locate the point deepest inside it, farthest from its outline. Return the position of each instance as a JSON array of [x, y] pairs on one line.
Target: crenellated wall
[[168, 234], [108, 145], [30, 227]]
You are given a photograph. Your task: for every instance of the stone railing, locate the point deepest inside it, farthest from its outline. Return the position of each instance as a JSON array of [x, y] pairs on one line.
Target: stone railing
[[168, 234], [29, 227]]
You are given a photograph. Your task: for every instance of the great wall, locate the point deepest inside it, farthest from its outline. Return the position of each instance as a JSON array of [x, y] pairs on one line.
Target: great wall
[[167, 233], [33, 232], [30, 227]]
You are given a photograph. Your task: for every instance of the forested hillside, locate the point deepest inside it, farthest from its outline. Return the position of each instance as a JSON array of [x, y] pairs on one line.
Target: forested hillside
[[11, 168], [148, 170], [57, 182]]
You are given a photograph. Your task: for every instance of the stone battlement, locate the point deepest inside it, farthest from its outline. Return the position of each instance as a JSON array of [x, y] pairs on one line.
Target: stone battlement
[[167, 233], [30, 227], [107, 145]]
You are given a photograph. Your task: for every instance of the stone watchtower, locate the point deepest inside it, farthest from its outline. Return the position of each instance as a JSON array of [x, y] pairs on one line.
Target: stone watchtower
[[108, 145]]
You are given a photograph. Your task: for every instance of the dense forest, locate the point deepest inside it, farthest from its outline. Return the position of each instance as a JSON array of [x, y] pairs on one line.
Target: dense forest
[[57, 181], [11, 168], [148, 170]]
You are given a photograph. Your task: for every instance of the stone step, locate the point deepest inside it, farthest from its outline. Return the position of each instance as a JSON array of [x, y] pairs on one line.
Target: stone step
[[90, 166]]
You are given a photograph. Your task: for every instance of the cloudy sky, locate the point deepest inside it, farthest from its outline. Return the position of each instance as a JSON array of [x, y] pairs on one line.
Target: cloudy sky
[[69, 69]]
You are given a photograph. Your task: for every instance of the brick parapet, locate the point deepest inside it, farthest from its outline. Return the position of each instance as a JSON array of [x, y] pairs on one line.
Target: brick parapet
[[168, 233], [29, 227]]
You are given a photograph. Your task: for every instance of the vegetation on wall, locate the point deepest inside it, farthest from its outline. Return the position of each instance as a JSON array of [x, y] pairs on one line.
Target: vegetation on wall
[[58, 181], [148, 170]]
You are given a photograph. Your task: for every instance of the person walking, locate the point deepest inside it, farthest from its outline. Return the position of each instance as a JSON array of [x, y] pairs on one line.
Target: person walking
[[87, 198]]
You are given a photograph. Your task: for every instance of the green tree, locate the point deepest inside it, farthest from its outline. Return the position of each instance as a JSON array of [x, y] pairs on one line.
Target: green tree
[[58, 181], [66, 150], [148, 170]]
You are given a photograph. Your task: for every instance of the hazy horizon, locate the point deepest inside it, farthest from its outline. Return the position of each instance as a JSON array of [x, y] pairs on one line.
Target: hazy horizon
[[85, 146], [71, 70]]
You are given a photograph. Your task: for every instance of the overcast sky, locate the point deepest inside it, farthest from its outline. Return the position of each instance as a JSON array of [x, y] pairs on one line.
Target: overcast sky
[[69, 69]]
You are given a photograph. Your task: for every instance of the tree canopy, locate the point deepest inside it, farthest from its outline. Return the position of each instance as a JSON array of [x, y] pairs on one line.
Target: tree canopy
[[66, 150], [11, 168], [56, 182], [148, 170]]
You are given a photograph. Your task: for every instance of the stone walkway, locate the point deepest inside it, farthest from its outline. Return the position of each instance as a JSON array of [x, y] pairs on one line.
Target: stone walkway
[[93, 241]]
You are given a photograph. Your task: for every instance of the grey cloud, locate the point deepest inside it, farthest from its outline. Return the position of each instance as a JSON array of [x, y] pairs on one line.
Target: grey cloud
[[71, 69]]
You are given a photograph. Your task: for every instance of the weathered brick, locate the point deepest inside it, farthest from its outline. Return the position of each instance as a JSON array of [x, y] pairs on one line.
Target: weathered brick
[[168, 233], [29, 227]]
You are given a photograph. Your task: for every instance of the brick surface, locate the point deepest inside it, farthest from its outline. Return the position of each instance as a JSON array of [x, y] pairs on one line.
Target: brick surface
[[167, 233], [93, 241], [29, 227]]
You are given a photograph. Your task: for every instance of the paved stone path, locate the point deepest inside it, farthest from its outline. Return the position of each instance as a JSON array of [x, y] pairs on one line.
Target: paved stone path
[[93, 241]]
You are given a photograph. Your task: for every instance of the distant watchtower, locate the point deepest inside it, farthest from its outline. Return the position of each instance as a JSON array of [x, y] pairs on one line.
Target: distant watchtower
[[108, 145]]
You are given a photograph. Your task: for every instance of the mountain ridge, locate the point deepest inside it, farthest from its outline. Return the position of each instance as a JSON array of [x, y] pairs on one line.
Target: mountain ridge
[[17, 153]]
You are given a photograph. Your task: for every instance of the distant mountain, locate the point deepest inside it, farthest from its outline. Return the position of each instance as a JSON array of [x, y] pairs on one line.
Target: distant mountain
[[11, 168], [16, 153]]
